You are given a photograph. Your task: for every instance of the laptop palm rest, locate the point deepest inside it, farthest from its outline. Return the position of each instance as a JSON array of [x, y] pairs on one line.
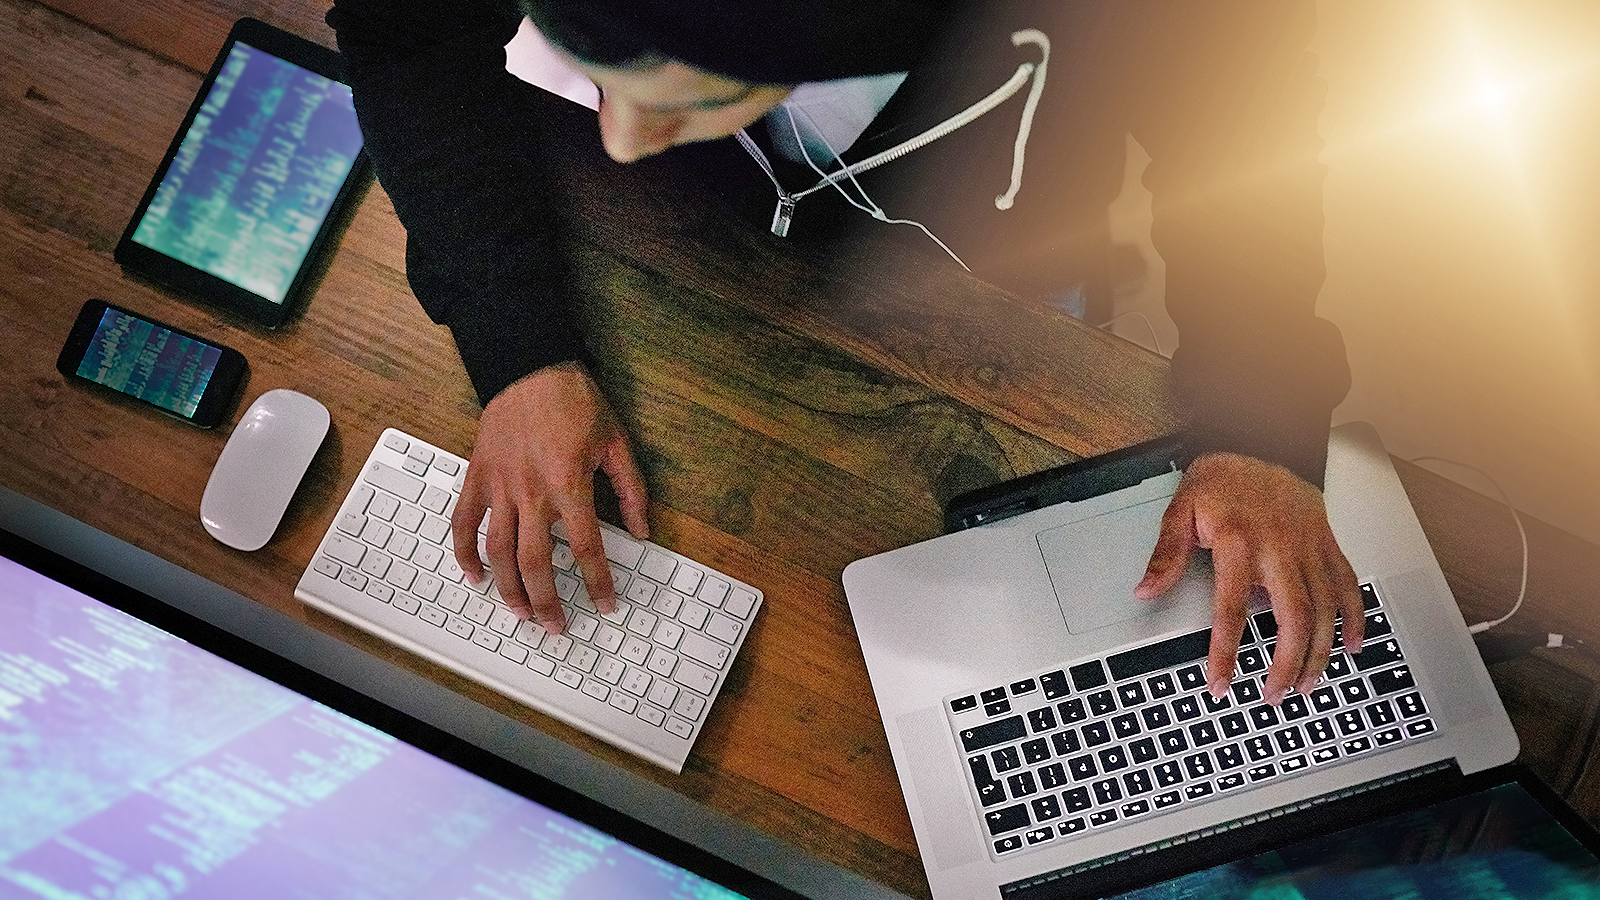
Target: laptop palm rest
[[1095, 563]]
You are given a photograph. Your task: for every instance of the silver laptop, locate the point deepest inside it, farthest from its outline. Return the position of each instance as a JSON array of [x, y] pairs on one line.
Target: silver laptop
[[1048, 728]]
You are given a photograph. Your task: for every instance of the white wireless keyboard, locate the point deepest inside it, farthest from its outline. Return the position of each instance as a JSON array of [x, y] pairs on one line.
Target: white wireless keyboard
[[642, 677]]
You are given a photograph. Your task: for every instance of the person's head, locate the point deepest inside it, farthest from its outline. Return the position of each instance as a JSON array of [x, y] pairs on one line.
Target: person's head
[[675, 71]]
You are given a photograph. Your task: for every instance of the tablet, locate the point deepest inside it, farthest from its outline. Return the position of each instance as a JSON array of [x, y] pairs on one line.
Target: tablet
[[149, 753], [252, 189]]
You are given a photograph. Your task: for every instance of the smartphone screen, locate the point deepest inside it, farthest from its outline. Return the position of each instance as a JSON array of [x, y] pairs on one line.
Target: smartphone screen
[[171, 370]]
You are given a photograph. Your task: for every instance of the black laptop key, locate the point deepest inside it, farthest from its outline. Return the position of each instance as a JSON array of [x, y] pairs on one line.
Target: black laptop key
[[1229, 756], [1234, 725], [992, 695], [1290, 739], [1203, 732], [1157, 716], [1381, 714], [1077, 799], [1046, 808], [1198, 765], [1320, 731], [1072, 710], [1096, 733], [1138, 782], [1252, 660], [988, 734], [1295, 707], [1025, 686], [1042, 719], [1035, 751], [1369, 597], [1107, 790], [1054, 685], [1126, 726], [1168, 774], [1022, 785], [1191, 678], [962, 704], [1186, 708], [1374, 656], [1052, 776], [1354, 690], [1411, 704], [1082, 767], [1131, 694], [1246, 691], [1162, 685], [1102, 703], [1113, 759], [1263, 716], [1144, 750], [1006, 759], [1160, 655], [1173, 741], [1391, 680], [1377, 626], [1065, 741], [1338, 667], [1010, 818], [1088, 676]]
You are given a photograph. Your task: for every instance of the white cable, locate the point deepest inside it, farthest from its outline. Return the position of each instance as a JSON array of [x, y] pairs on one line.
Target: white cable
[[1154, 337], [870, 207], [1522, 592]]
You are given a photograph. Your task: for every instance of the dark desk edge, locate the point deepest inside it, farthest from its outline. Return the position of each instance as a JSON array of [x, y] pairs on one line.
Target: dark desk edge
[[513, 741]]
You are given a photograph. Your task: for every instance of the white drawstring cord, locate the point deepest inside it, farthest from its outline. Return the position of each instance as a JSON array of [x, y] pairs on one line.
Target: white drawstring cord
[[787, 200]]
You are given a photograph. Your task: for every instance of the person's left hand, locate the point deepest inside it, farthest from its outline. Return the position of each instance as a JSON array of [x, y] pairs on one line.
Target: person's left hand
[[1265, 527]]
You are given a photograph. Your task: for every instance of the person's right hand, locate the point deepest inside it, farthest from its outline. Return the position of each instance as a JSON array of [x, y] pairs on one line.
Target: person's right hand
[[540, 441]]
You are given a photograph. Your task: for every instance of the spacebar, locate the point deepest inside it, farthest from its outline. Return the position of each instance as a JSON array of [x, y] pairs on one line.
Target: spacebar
[[1161, 655]]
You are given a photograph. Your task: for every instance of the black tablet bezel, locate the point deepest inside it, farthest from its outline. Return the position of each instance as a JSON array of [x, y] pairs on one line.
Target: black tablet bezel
[[384, 717], [201, 285]]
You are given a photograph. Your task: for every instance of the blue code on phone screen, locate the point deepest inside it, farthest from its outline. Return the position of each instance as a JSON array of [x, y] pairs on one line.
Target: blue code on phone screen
[[147, 361]]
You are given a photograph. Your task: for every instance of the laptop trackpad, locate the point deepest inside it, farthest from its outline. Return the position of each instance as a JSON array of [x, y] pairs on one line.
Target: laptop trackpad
[[1095, 563]]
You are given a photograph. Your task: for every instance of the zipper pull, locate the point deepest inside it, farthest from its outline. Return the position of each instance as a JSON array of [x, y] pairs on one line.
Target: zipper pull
[[782, 216]]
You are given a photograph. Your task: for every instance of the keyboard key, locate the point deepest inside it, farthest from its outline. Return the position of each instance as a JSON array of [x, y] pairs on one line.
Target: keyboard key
[[1088, 676], [1054, 684], [1009, 818], [1001, 731]]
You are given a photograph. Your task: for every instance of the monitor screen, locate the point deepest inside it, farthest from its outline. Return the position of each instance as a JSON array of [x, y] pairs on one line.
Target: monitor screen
[[256, 173], [136, 764]]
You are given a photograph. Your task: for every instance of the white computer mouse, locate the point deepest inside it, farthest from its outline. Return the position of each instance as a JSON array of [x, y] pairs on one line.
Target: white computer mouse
[[259, 469]]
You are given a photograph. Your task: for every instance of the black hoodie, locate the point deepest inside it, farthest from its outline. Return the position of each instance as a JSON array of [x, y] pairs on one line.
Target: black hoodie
[[1222, 94]]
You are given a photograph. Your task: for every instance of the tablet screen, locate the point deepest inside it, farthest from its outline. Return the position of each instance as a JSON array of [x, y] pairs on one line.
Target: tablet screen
[[137, 764], [256, 174]]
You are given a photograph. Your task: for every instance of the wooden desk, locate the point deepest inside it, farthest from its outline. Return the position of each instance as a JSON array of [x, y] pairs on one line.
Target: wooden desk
[[789, 422]]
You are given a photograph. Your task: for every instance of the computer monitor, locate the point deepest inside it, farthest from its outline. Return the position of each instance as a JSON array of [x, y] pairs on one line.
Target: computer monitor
[[147, 753]]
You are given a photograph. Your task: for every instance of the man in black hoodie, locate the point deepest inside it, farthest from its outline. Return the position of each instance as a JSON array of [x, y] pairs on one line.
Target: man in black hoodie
[[1222, 95]]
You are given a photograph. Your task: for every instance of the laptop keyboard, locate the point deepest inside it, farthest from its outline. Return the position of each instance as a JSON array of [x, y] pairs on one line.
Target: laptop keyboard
[[642, 677], [1103, 742]]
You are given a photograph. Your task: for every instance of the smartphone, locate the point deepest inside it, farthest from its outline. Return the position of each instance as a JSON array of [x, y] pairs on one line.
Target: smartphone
[[178, 373]]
